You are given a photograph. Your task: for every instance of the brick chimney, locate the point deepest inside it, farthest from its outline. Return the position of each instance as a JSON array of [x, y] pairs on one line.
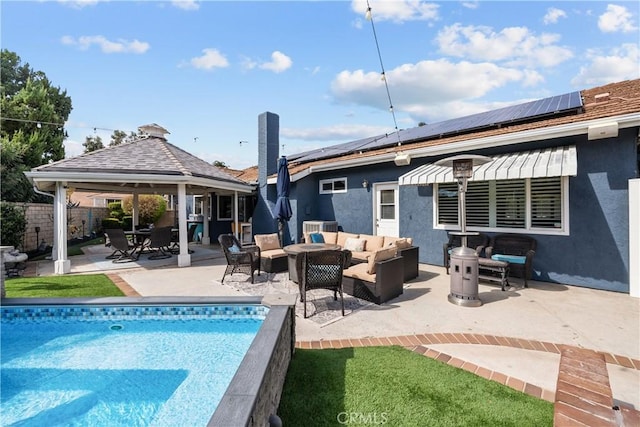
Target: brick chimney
[[268, 153]]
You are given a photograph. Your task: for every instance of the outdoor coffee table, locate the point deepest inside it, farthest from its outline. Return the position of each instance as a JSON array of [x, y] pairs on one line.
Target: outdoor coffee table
[[494, 271], [293, 250]]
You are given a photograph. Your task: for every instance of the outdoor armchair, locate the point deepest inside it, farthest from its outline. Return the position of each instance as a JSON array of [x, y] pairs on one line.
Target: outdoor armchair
[[240, 259], [321, 270]]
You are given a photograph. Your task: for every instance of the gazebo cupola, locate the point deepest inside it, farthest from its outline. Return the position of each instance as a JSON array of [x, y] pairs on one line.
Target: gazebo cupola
[[154, 130]]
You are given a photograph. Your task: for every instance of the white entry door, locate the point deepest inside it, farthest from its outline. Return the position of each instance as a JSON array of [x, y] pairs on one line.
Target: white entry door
[[387, 210]]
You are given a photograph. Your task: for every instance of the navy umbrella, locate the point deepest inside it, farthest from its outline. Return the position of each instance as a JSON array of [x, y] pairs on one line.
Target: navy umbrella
[[283, 206]]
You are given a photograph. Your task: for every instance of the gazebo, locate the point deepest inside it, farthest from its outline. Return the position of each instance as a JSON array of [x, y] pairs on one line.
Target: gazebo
[[147, 165]]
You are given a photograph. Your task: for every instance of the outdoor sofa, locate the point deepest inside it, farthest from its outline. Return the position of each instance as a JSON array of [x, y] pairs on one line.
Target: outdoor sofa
[[379, 279], [363, 246]]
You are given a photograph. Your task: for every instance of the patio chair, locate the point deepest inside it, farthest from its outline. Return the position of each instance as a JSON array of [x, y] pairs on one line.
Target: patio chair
[[123, 249], [516, 249], [158, 243], [477, 243], [240, 259], [321, 270], [175, 239]]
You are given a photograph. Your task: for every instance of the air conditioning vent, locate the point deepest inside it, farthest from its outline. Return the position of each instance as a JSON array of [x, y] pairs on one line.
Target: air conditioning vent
[[317, 226]]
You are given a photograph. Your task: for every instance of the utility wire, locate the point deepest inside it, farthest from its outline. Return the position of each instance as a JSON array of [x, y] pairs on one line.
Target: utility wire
[[369, 16]]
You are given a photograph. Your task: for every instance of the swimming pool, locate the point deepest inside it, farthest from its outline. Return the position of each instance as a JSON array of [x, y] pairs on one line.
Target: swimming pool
[[132, 363]]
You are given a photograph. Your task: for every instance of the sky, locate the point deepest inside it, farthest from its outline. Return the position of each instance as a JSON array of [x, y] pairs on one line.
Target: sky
[[205, 70]]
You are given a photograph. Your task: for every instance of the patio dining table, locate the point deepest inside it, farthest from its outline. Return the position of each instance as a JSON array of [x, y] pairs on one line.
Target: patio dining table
[[293, 250]]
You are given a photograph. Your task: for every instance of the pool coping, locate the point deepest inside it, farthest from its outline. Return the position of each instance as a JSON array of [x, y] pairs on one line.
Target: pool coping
[[241, 402]]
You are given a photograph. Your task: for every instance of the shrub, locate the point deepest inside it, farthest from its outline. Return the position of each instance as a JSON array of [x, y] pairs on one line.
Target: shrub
[[115, 210], [151, 207], [14, 224], [127, 222], [108, 223]]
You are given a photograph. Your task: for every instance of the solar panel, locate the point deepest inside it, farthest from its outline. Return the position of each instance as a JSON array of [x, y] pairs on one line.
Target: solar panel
[[559, 104]]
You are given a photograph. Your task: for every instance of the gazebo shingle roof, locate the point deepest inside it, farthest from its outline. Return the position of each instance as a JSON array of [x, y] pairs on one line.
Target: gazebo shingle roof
[[142, 156]]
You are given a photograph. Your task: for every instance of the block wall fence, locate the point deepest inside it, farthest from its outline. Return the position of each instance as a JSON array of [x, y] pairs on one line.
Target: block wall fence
[[41, 215]]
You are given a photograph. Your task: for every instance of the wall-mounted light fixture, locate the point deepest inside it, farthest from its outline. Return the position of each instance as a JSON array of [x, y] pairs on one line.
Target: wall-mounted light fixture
[[402, 159], [365, 183]]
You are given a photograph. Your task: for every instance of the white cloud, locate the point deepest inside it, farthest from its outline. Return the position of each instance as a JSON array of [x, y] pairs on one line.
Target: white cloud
[[279, 62], [210, 59], [186, 4], [340, 132], [616, 19], [79, 4], [618, 65], [471, 4], [427, 85], [107, 46], [552, 15], [398, 10], [517, 46]]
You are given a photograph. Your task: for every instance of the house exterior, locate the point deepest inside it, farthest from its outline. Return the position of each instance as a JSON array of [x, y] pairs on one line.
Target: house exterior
[[561, 172]]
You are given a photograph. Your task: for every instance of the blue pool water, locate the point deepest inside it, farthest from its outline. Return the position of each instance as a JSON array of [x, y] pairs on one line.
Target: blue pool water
[[120, 365]]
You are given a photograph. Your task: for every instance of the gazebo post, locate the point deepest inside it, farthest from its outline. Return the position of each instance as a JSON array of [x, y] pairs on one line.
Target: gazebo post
[[61, 265], [206, 240], [135, 215], [184, 258]]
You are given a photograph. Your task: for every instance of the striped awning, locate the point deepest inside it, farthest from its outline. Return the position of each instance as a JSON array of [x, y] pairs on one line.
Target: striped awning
[[557, 161]]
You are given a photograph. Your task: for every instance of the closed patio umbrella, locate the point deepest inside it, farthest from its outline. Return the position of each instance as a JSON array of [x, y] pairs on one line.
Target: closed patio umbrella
[[283, 206]]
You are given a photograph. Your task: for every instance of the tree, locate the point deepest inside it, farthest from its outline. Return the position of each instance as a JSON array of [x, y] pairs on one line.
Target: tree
[[151, 207], [32, 132], [92, 143], [220, 164], [14, 224]]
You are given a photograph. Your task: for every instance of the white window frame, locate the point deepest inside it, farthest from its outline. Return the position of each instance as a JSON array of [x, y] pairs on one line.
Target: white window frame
[[332, 182], [218, 204], [563, 231]]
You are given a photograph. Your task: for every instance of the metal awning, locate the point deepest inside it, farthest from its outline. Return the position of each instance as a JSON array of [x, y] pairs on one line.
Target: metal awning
[[557, 161]]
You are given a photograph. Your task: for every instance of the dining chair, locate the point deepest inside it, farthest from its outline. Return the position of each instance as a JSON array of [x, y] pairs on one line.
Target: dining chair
[[123, 249], [321, 270], [158, 243]]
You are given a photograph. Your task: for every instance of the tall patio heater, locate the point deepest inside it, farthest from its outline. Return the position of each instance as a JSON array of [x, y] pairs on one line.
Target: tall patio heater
[[464, 261]]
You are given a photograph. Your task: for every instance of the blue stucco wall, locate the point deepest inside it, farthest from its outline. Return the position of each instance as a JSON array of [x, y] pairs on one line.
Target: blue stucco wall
[[594, 255]]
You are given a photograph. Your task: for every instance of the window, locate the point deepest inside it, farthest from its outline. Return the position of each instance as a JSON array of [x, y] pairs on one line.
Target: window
[[387, 204], [330, 186], [225, 208], [534, 204]]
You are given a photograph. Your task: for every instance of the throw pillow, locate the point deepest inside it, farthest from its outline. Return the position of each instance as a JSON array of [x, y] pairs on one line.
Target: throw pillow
[[380, 255], [316, 238], [234, 248], [403, 244], [354, 245], [267, 242]]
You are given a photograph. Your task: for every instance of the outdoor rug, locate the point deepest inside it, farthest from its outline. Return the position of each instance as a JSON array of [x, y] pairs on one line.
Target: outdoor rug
[[321, 308]]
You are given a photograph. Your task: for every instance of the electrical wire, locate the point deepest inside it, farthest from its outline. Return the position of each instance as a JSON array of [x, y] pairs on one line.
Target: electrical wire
[[369, 16]]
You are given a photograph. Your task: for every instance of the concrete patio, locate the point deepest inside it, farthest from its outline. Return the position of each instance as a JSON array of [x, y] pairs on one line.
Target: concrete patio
[[514, 335]]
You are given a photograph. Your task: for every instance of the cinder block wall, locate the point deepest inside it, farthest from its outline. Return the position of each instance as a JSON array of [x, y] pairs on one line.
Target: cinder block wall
[[41, 215]]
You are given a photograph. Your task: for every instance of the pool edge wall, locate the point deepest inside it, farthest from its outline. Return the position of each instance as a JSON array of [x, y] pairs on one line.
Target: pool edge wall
[[249, 401], [255, 389]]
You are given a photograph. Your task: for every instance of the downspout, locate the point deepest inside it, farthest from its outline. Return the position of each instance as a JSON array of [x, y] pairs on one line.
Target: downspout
[[55, 223]]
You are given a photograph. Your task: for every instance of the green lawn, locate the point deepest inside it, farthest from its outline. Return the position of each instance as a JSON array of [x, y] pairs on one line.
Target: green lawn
[[68, 286], [396, 387]]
